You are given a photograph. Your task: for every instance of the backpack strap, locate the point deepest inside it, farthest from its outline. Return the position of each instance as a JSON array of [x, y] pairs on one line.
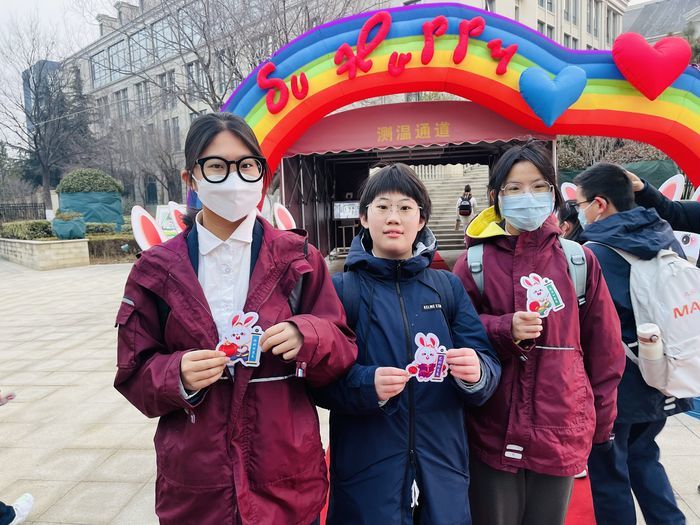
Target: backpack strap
[[347, 286], [444, 288], [628, 257], [576, 259], [475, 262], [294, 299]]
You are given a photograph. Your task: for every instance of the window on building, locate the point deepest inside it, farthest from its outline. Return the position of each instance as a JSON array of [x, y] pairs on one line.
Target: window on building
[[103, 109], [589, 16], [540, 3], [164, 39], [166, 81], [490, 5], [143, 98], [411, 2], [151, 187], [194, 78], [175, 133], [99, 64], [574, 11], [550, 6], [608, 26], [190, 25], [540, 26], [119, 59], [167, 142], [567, 9], [141, 45], [516, 14], [574, 43], [616, 25], [597, 8], [589, 47], [567, 40], [121, 103], [550, 32]]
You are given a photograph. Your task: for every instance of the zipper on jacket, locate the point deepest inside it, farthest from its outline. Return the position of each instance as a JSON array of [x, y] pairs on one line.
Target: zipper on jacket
[[411, 394]]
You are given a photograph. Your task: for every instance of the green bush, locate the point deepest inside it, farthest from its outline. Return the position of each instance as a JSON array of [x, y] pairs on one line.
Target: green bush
[[26, 230], [96, 228], [89, 180]]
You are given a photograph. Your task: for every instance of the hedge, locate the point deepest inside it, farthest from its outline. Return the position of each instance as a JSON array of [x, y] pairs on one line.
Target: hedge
[[89, 181], [26, 230], [97, 228], [108, 248]]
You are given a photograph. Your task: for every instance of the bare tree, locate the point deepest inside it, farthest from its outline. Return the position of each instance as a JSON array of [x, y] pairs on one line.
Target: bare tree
[[42, 116]]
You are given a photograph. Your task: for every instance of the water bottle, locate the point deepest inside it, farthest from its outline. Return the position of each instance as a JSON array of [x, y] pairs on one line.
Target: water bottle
[[650, 345]]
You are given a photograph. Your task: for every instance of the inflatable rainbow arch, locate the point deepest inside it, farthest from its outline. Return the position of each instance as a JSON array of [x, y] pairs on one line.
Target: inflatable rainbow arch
[[636, 91]]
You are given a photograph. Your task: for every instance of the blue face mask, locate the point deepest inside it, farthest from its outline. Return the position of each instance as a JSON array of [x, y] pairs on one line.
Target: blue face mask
[[528, 211], [582, 216]]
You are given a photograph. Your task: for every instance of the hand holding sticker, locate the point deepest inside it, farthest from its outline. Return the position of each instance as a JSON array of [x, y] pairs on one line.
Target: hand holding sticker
[[201, 368], [526, 325], [542, 295], [464, 364], [429, 360], [283, 339], [389, 381]]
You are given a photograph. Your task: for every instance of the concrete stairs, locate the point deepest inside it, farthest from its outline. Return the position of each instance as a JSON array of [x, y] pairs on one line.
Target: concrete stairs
[[444, 190]]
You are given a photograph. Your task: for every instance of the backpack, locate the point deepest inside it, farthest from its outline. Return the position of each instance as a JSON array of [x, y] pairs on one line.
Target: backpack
[[348, 289], [665, 291], [465, 206], [575, 258]]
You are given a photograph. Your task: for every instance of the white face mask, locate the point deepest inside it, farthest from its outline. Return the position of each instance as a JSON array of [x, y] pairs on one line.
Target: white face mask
[[232, 199]]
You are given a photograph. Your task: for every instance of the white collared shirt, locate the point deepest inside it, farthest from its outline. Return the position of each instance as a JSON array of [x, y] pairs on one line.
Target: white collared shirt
[[224, 270]]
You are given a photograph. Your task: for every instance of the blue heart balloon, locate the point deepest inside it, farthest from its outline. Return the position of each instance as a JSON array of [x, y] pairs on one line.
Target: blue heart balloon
[[549, 98]]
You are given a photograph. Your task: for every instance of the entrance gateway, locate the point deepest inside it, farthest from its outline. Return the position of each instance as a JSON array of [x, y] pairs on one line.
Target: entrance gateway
[[537, 85]]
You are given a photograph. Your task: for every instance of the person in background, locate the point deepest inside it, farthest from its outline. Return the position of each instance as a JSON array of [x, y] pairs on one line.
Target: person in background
[[568, 221], [611, 219], [19, 511], [466, 208]]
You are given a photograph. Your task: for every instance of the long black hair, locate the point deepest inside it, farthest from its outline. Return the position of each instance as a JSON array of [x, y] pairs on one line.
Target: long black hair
[[532, 151]]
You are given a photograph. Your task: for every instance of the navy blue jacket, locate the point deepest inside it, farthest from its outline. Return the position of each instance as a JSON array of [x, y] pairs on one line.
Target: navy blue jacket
[[643, 233], [682, 215], [376, 453]]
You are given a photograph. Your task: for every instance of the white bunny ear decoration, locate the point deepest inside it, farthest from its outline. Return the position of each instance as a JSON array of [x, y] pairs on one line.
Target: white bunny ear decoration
[[419, 339], [568, 191], [673, 187], [147, 232], [525, 282], [177, 213], [696, 195], [283, 218]]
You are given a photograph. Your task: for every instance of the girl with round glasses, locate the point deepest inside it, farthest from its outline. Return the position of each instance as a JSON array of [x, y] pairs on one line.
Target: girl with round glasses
[[235, 444], [398, 441], [561, 355]]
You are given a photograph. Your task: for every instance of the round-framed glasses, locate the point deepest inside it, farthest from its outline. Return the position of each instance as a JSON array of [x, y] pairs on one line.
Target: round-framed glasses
[[217, 169]]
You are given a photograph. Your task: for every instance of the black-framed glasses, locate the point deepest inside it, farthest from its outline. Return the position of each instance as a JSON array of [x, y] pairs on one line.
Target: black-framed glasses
[[217, 169], [577, 205]]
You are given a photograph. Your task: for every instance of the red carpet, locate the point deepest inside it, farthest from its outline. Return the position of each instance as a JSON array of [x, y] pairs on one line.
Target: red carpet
[[581, 506], [580, 509]]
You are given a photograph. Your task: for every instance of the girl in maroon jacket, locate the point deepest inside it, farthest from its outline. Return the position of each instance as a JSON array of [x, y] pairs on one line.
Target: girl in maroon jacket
[[236, 443], [561, 362]]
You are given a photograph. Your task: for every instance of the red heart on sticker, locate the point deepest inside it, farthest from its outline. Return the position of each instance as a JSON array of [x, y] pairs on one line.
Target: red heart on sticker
[[651, 69]]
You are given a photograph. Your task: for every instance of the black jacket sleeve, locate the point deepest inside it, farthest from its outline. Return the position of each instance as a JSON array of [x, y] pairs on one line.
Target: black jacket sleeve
[[682, 215]]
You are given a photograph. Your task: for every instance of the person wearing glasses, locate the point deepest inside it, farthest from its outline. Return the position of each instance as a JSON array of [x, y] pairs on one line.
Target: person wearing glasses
[[562, 361], [398, 442], [235, 444]]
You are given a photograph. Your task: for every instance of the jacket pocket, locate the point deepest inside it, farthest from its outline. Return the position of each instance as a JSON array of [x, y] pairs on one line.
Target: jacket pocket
[[126, 338], [561, 388]]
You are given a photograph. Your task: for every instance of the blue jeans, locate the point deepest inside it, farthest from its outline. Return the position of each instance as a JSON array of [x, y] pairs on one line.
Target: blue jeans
[[632, 464]]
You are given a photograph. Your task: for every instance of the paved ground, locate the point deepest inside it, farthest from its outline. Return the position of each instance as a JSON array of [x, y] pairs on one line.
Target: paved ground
[[86, 454]]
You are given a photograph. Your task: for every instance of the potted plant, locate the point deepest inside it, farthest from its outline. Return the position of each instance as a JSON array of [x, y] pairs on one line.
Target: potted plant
[[68, 225]]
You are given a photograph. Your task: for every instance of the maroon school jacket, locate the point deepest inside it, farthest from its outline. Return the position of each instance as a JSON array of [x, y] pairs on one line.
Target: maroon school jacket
[[249, 450], [549, 409]]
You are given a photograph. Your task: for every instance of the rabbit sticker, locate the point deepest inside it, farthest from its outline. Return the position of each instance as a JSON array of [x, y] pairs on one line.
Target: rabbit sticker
[[542, 295], [241, 343], [429, 360]]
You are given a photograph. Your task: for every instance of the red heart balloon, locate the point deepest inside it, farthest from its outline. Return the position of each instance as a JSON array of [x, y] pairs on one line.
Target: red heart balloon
[[651, 69]]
